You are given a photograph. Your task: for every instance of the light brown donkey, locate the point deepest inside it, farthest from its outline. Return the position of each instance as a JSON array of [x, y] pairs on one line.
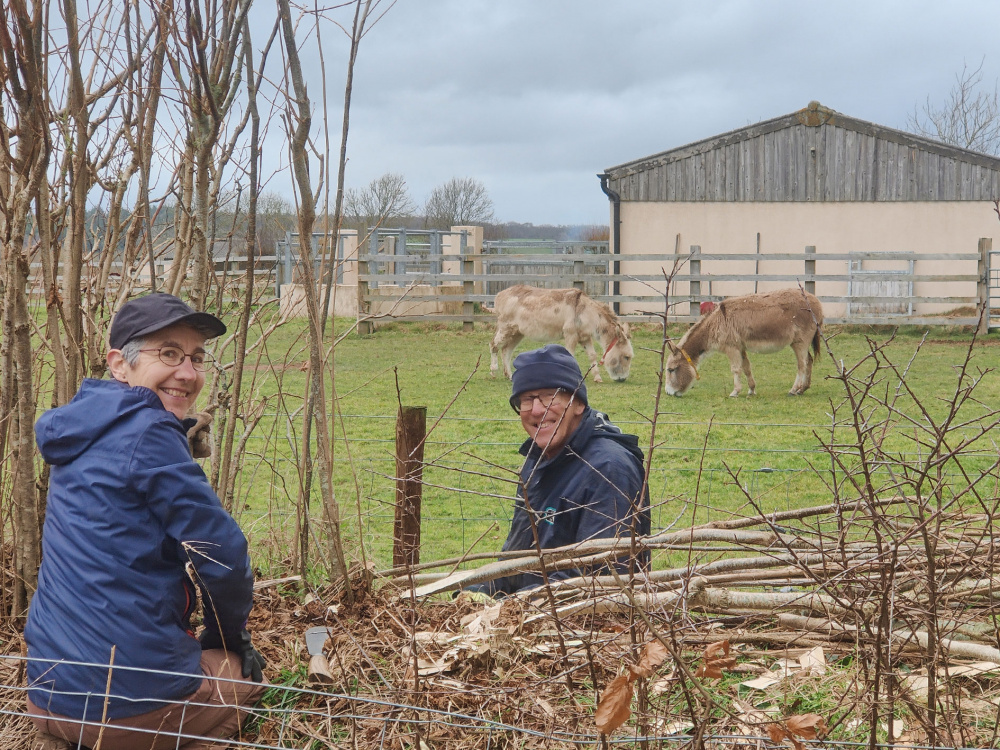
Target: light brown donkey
[[547, 315], [757, 323]]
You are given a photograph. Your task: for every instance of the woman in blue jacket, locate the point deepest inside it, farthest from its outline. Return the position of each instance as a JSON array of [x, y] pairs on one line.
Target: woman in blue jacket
[[131, 525]]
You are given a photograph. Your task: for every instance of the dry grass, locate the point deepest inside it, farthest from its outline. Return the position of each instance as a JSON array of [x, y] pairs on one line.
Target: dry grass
[[504, 683]]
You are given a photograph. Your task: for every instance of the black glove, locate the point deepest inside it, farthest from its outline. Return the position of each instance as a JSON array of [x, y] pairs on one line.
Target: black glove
[[251, 661]]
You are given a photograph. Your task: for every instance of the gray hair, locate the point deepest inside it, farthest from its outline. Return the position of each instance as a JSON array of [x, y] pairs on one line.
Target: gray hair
[[130, 351]]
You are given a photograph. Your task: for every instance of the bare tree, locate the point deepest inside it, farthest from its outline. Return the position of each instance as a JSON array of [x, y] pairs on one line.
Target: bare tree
[[461, 200], [969, 117], [25, 158], [275, 216], [210, 43], [299, 121], [103, 176], [381, 201]]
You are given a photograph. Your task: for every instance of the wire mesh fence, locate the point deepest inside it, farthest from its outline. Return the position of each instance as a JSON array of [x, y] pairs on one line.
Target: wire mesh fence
[[431, 715], [468, 494], [389, 694]]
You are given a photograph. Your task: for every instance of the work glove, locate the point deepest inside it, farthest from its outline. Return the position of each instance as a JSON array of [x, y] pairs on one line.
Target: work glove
[[251, 662], [199, 434]]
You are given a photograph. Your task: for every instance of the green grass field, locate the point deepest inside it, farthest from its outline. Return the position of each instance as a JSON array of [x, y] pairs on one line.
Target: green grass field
[[770, 441]]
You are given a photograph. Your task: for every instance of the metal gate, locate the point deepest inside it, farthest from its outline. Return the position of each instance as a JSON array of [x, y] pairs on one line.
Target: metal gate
[[287, 259], [424, 246], [869, 293], [510, 257], [993, 290]]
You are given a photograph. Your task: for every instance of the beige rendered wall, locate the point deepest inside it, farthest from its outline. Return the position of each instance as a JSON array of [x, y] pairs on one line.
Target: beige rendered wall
[[344, 301], [931, 227], [452, 245]]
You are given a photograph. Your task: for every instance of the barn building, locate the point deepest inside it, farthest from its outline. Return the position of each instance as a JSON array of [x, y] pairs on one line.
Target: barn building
[[812, 178]]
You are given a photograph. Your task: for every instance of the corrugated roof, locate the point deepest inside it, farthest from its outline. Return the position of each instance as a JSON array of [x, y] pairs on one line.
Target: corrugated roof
[[814, 115], [813, 154]]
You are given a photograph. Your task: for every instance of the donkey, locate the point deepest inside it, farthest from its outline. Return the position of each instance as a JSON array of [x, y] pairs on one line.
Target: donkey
[[548, 315], [758, 323]]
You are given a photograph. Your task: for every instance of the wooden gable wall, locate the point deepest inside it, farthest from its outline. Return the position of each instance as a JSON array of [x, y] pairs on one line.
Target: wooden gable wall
[[787, 159]]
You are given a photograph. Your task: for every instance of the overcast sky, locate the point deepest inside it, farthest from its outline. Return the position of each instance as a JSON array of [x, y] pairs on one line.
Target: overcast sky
[[535, 97]]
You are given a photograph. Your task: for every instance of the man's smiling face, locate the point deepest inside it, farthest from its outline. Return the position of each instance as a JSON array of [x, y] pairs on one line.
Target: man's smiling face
[[550, 416], [178, 386]]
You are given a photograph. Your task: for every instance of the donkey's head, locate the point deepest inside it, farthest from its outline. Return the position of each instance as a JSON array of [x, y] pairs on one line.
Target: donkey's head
[[618, 355], [681, 372]]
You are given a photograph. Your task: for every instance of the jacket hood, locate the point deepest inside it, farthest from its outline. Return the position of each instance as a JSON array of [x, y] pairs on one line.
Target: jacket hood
[[63, 433], [593, 425]]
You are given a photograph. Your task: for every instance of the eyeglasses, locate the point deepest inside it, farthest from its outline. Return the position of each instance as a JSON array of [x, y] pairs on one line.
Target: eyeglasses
[[173, 356], [526, 401]]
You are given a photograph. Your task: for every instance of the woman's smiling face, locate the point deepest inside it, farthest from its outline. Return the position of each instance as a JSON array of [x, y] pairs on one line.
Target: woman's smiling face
[[177, 386]]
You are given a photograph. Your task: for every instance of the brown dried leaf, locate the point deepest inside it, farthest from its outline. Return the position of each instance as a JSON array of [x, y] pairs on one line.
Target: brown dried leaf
[[713, 650], [777, 733], [713, 670], [809, 726], [716, 658], [613, 708], [653, 655]]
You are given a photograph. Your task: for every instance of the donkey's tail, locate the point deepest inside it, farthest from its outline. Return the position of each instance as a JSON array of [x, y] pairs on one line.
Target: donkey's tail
[[816, 339]]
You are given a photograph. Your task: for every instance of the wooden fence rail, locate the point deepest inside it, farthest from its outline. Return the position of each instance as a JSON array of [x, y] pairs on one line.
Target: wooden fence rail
[[859, 287], [871, 295]]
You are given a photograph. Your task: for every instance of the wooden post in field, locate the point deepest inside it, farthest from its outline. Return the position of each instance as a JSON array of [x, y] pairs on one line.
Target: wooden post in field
[[694, 286], [810, 284], [578, 272], [983, 284], [364, 306], [411, 427], [468, 285]]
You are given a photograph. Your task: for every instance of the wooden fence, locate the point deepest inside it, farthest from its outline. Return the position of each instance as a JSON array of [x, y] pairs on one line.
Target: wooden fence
[[861, 294], [875, 288]]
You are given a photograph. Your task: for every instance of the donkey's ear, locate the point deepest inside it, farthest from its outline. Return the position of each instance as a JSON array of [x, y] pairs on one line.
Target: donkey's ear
[[670, 345]]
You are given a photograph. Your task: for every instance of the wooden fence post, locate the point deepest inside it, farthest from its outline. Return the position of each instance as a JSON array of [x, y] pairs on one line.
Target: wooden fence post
[[364, 326], [983, 284], [578, 271], [411, 427], [694, 286], [810, 284], [468, 286]]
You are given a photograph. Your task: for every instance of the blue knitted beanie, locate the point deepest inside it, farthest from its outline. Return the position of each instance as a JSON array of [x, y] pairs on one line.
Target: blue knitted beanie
[[552, 366]]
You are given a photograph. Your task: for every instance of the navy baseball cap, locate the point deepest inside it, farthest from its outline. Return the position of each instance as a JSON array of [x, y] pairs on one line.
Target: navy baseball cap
[[156, 311], [552, 366]]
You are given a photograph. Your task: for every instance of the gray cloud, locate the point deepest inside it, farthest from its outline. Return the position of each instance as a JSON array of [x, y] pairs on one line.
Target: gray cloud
[[534, 98]]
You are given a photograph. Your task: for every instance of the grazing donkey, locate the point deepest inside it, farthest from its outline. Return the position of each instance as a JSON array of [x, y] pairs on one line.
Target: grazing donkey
[[758, 323], [548, 315]]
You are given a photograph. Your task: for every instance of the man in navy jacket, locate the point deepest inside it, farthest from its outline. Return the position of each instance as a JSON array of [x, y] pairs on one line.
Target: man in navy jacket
[[131, 525], [582, 478]]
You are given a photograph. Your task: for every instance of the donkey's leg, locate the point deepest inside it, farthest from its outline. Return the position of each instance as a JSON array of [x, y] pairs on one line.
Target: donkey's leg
[[508, 355], [495, 345], [572, 339], [506, 338], [803, 362], [751, 383], [809, 370], [736, 367], [501, 339], [588, 345]]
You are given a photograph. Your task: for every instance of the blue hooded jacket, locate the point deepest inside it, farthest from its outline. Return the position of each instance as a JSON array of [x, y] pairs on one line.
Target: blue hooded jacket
[[589, 490], [127, 509]]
